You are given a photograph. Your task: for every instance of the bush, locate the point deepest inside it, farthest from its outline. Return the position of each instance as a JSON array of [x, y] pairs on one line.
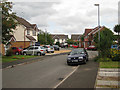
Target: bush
[[102, 59], [9, 52], [105, 59], [115, 55]]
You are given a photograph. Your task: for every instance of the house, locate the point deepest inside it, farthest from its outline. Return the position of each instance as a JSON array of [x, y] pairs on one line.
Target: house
[[25, 33], [61, 38], [77, 38], [89, 35]]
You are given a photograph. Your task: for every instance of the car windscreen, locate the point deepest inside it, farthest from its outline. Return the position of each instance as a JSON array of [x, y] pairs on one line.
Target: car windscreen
[[42, 47], [76, 51]]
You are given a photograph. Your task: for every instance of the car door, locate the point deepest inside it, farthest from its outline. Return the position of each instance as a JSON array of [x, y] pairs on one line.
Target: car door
[[30, 51]]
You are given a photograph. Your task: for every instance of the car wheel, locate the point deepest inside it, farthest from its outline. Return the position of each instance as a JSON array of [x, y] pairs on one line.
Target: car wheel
[[52, 52], [39, 54], [85, 61], [17, 53], [24, 53]]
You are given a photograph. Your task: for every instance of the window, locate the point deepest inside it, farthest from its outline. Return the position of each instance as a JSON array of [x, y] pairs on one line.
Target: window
[[34, 33], [28, 32]]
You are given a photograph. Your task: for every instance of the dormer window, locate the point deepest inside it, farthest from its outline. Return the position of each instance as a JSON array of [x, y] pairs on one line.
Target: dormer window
[[34, 33], [28, 32]]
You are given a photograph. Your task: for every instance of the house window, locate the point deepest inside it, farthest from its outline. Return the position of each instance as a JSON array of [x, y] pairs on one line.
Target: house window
[[34, 33], [28, 32]]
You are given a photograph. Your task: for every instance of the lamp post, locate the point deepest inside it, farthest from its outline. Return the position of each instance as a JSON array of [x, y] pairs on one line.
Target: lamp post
[[98, 5]]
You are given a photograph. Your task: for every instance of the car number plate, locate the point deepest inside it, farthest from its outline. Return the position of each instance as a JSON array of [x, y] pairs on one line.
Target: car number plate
[[75, 60]]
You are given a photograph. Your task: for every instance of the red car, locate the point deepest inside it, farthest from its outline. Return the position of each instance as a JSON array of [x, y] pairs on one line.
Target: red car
[[17, 50], [91, 47], [75, 46]]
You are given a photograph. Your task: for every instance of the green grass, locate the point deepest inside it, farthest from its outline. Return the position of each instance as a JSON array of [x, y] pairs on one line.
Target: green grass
[[14, 57], [112, 64]]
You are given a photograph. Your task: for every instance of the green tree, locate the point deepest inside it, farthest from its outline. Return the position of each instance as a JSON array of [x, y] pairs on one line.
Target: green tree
[[45, 38], [8, 22], [82, 38], [106, 40], [70, 41], [117, 30]]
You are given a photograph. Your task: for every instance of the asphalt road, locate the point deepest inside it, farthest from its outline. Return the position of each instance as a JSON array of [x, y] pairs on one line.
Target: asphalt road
[[49, 73]]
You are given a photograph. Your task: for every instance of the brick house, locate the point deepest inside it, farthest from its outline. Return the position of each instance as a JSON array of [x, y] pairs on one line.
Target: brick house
[[89, 35], [61, 38], [25, 33], [77, 38]]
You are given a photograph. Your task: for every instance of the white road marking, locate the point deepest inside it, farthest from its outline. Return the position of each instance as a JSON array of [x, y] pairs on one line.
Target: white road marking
[[66, 77]]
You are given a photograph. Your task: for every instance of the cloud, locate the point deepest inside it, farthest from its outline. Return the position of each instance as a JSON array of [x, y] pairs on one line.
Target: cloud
[[68, 16]]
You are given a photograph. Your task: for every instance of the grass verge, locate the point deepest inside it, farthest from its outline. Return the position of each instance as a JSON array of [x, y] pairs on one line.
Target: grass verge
[[14, 57], [111, 64]]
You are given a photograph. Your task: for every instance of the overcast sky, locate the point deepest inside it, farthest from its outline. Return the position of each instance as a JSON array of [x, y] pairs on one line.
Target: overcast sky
[[67, 16]]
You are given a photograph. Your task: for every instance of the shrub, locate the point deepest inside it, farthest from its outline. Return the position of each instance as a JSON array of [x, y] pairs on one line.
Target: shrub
[[105, 59], [115, 54]]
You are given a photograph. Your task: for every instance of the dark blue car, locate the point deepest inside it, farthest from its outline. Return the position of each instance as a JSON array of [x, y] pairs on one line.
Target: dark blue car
[[77, 56]]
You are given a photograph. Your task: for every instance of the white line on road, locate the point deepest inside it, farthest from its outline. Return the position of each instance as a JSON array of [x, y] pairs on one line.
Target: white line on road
[[66, 77]]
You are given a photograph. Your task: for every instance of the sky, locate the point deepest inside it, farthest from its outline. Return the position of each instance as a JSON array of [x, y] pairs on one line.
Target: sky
[[67, 16]]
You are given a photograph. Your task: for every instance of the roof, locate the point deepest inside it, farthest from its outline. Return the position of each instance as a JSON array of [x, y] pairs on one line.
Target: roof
[[87, 31], [31, 38], [76, 36], [59, 36], [26, 23]]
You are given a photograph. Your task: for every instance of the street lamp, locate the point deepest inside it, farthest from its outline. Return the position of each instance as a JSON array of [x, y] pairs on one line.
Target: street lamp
[[98, 5], [98, 26]]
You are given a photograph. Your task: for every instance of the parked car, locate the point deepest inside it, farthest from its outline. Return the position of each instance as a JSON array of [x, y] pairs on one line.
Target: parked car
[[16, 50], [75, 46], [77, 56], [56, 47], [34, 50], [49, 48], [114, 46], [91, 47]]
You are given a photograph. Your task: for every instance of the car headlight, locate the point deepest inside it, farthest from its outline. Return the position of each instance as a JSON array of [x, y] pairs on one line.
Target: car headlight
[[69, 58], [80, 57]]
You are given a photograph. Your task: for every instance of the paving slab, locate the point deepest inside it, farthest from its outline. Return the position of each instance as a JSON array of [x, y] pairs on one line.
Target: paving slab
[[110, 74], [110, 83]]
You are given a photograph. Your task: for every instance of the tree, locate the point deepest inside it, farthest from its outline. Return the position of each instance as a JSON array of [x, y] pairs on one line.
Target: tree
[[117, 30], [8, 22], [70, 41], [106, 40], [45, 38]]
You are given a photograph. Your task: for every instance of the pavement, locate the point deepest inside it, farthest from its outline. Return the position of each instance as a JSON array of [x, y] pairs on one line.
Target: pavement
[[108, 78]]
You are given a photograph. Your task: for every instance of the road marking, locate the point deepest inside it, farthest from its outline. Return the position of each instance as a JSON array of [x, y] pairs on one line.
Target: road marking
[[66, 77]]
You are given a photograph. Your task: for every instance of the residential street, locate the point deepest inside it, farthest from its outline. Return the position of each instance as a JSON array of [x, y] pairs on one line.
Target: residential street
[[49, 72]]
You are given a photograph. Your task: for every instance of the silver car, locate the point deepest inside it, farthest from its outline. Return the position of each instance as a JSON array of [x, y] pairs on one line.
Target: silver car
[[49, 48], [34, 50]]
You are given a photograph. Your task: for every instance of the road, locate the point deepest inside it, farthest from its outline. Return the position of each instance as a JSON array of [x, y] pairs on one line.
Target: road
[[47, 73]]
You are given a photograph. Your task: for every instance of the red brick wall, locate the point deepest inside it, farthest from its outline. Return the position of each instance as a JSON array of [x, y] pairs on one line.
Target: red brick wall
[[20, 44]]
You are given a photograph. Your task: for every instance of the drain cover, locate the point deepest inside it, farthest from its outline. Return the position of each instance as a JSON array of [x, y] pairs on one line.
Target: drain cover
[[60, 79]]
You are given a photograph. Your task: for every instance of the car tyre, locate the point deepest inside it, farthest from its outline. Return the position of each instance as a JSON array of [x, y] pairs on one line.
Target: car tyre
[[39, 54], [17, 53], [52, 52], [24, 53], [85, 61]]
